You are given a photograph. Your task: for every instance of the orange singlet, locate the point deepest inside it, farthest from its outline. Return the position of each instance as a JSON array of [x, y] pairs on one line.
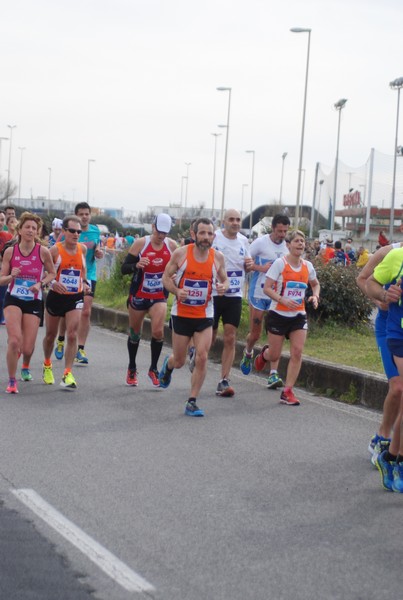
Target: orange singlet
[[197, 278], [69, 269]]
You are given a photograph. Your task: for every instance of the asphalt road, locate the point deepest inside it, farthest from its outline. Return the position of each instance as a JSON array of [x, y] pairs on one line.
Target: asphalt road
[[132, 499]]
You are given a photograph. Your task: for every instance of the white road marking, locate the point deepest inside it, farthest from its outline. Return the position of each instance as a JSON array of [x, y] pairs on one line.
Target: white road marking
[[105, 560]]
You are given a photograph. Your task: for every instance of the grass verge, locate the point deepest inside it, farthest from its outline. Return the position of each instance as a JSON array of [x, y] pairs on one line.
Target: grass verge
[[331, 341]]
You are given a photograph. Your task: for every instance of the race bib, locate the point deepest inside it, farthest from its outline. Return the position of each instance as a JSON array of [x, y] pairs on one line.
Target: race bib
[[21, 289], [295, 290], [71, 279], [235, 279], [197, 292], [152, 283]]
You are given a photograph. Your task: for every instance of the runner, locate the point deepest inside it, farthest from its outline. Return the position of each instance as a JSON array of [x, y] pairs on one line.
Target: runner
[[235, 248], [91, 238], [382, 439], [265, 250], [286, 284], [195, 268], [146, 261], [65, 298], [389, 273], [5, 237], [23, 269]]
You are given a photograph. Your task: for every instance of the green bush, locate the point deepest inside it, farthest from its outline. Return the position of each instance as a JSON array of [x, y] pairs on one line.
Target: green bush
[[341, 300]]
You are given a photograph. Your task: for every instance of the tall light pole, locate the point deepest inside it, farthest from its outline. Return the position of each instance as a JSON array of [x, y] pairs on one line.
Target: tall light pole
[[397, 84], [225, 89], [19, 184], [216, 135], [1, 140], [181, 204], [301, 151], [321, 182], [338, 106], [49, 182], [244, 185], [90, 160], [187, 183], [282, 175], [251, 190], [11, 127]]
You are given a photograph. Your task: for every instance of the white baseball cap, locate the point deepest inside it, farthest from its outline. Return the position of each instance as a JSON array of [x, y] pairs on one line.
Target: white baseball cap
[[163, 223], [57, 223]]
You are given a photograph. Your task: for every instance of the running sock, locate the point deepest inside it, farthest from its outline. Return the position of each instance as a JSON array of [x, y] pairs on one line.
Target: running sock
[[60, 338], [132, 348], [81, 347], [390, 457], [399, 458], [25, 366], [47, 362], [273, 371], [66, 371], [192, 399], [156, 348]]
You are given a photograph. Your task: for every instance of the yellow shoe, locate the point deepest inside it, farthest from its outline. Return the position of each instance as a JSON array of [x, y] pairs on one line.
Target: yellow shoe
[[47, 375], [68, 382]]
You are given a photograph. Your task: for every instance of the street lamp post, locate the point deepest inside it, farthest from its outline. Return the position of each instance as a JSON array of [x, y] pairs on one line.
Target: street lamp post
[[181, 204], [19, 184], [301, 151], [1, 140], [49, 182], [90, 160], [338, 106], [282, 175], [321, 182], [225, 89], [251, 190], [187, 183], [11, 127], [244, 185], [397, 84], [216, 135]]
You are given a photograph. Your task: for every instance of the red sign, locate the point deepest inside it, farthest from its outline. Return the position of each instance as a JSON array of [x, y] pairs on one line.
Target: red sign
[[352, 199]]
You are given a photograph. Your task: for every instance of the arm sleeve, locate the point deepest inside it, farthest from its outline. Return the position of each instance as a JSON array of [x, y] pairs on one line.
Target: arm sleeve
[[129, 265]]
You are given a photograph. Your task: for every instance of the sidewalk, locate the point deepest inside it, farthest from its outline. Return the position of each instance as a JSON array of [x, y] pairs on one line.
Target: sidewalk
[[327, 379]]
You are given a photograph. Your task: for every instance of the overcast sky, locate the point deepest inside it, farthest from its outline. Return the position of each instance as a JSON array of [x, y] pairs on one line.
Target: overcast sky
[[132, 85]]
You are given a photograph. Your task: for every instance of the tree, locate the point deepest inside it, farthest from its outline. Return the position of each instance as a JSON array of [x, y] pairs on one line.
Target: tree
[[7, 189]]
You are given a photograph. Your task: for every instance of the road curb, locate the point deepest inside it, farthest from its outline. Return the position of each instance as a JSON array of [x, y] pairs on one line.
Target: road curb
[[346, 384]]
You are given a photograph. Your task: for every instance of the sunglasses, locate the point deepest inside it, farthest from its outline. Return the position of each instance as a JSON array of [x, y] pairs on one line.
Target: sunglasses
[[73, 231]]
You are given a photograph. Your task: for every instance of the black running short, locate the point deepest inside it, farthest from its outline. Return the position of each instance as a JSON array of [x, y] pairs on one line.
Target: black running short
[[279, 325], [58, 305], [187, 327], [28, 307], [227, 309]]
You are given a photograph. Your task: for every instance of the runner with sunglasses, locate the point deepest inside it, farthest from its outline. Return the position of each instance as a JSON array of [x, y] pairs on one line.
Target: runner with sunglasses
[[65, 299]]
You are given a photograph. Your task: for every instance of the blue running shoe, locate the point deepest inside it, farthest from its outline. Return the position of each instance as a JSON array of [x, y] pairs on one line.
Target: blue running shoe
[[385, 468], [246, 362], [192, 410], [397, 484], [381, 445], [59, 350], [81, 357], [374, 440], [164, 375]]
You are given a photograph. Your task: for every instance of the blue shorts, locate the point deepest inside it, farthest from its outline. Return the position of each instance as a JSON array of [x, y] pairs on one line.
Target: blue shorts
[[260, 303], [386, 356], [395, 346]]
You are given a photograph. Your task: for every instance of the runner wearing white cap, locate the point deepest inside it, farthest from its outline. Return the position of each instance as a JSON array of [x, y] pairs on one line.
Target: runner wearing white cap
[[146, 261]]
